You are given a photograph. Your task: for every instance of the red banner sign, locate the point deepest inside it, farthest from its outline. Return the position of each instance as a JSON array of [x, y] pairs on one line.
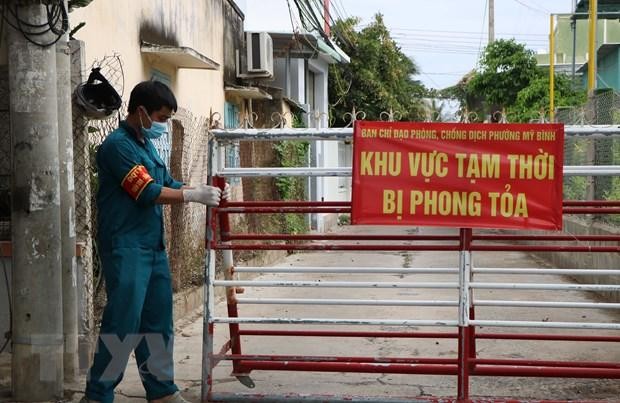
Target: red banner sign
[[458, 174]]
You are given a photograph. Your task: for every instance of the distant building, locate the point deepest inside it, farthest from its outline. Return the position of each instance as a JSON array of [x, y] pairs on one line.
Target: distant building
[[300, 84], [571, 44]]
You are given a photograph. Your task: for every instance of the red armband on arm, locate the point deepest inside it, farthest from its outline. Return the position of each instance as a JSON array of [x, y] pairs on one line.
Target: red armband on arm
[[136, 181]]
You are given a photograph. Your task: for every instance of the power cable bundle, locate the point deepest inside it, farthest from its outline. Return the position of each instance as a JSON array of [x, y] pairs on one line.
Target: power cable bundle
[[57, 21], [7, 335]]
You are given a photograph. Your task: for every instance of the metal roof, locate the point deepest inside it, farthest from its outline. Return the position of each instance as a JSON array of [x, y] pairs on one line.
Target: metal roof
[[606, 9], [305, 46]]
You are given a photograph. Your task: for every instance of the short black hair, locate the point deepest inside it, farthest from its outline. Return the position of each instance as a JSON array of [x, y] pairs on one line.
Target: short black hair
[[153, 95]]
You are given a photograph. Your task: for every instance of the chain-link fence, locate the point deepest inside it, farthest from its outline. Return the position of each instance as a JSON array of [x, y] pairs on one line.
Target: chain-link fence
[[185, 153], [186, 223], [602, 109], [5, 158]]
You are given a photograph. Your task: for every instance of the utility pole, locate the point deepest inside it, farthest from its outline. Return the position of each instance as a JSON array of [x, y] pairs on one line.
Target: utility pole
[[573, 25], [37, 361], [327, 27], [491, 20], [552, 67], [67, 208], [592, 22]]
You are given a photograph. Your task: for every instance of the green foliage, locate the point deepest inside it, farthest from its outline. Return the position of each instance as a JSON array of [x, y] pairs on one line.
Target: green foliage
[[344, 219], [506, 67], [377, 79], [535, 97], [613, 195], [292, 154], [508, 78], [575, 188], [435, 110]]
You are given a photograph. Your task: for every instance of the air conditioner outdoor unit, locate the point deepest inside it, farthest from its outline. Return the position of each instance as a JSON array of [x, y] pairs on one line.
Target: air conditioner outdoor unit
[[260, 54]]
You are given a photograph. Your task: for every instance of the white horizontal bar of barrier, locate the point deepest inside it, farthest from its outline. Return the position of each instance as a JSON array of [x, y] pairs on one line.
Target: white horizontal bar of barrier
[[353, 270], [592, 130], [591, 170], [565, 325], [298, 171], [422, 270], [331, 284], [347, 133], [232, 397], [546, 304], [284, 133], [326, 301], [532, 286], [569, 170], [331, 321], [593, 272]]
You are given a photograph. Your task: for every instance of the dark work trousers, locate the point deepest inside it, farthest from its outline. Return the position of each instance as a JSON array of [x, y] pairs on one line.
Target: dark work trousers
[[137, 317]]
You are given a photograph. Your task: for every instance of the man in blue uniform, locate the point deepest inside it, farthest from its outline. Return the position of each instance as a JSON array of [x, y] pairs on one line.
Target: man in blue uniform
[[133, 185]]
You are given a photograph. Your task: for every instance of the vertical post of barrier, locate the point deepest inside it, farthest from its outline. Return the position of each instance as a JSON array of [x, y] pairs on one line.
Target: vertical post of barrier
[[228, 268], [464, 340], [472, 336], [471, 330], [208, 327]]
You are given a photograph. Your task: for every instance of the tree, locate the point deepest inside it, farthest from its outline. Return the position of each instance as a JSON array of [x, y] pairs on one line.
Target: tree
[[534, 98], [378, 78], [434, 110], [506, 67], [509, 79]]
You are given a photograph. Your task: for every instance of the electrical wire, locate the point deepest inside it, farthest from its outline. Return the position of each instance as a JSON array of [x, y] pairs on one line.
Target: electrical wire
[[461, 33], [532, 8], [8, 335], [484, 16], [311, 21], [294, 24], [57, 22], [330, 21], [340, 10]]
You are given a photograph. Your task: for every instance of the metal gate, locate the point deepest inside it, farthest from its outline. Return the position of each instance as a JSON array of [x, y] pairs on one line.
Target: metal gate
[[464, 327]]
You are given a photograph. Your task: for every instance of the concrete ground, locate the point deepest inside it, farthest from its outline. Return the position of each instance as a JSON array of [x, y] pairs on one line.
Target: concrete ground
[[189, 333]]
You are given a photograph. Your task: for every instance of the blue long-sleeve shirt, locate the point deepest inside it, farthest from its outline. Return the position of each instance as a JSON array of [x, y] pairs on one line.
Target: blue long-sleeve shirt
[[131, 175]]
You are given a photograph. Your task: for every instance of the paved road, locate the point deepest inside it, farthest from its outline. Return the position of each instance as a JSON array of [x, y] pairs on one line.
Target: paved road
[[189, 338]]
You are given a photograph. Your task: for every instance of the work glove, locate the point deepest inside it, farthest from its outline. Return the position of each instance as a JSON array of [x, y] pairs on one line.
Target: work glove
[[204, 194], [226, 192]]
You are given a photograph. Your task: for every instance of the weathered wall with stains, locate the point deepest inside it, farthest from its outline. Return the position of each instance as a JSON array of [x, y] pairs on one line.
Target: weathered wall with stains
[[118, 26], [233, 41]]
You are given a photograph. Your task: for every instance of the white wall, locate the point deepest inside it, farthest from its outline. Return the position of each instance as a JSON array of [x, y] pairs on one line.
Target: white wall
[[279, 74], [298, 78], [326, 152]]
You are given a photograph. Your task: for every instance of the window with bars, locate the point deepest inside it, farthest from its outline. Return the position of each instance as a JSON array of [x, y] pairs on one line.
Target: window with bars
[[231, 121], [163, 144]]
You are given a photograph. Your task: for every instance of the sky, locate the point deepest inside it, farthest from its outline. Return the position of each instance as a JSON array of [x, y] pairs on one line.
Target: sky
[[443, 37]]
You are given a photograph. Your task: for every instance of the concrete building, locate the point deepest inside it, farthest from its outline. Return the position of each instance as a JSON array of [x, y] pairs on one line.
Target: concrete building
[[186, 44], [301, 70], [199, 49], [571, 45], [190, 45]]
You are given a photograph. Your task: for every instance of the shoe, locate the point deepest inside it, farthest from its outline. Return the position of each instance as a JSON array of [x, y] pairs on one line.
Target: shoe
[[87, 400], [173, 398]]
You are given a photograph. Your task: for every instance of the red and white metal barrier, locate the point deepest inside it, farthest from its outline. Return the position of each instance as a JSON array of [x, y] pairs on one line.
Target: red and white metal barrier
[[464, 325]]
